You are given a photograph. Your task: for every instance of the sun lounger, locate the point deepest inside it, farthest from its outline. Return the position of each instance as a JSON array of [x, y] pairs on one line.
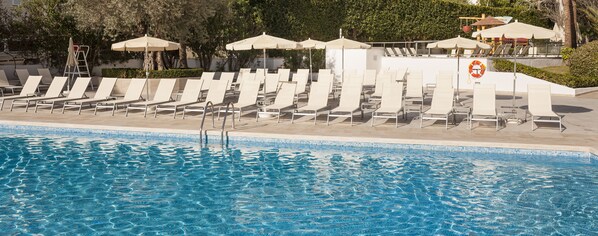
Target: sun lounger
[[270, 86], [318, 100], [415, 89], [369, 79], [349, 102], [285, 99], [54, 91], [243, 73], [391, 104], [540, 105], [46, 75], [442, 106], [4, 84], [215, 96], [498, 50], [163, 95], [133, 94], [190, 96], [228, 76], [77, 92], [506, 50], [102, 94], [284, 75], [301, 80], [28, 90], [23, 75], [207, 78], [484, 104], [383, 78], [247, 98]]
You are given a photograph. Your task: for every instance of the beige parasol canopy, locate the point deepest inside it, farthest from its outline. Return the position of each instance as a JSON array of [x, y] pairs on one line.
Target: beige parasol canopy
[[263, 41], [516, 30], [313, 44], [145, 43], [459, 42], [344, 43]]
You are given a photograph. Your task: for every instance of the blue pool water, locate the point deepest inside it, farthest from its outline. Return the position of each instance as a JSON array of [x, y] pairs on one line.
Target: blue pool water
[[51, 185]]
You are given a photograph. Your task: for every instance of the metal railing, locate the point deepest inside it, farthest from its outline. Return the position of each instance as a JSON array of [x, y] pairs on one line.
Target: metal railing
[[228, 105], [203, 119]]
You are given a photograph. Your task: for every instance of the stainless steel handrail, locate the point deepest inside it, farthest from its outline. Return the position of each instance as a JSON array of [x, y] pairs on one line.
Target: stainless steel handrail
[[203, 119], [228, 105]]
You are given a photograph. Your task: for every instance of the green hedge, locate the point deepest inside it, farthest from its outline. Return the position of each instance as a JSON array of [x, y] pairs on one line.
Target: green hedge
[[584, 60], [562, 79], [140, 73]]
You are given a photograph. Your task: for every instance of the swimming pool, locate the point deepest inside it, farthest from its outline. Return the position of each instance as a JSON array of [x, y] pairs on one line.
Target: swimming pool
[[89, 184]]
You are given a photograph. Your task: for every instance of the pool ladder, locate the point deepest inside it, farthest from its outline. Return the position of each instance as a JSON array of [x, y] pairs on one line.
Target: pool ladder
[[203, 132]]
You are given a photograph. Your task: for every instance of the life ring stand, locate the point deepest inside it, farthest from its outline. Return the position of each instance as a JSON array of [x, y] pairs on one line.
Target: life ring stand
[[477, 69]]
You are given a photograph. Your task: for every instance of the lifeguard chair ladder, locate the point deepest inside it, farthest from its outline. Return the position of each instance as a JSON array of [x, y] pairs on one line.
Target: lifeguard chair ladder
[[81, 69]]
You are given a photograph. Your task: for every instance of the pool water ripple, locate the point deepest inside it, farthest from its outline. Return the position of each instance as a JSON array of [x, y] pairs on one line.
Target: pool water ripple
[[52, 185]]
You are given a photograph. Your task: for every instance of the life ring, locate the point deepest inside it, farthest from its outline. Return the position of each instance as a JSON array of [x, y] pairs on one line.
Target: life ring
[[477, 69]]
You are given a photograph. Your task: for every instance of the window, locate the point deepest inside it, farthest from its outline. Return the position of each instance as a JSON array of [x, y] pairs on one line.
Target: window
[[16, 2]]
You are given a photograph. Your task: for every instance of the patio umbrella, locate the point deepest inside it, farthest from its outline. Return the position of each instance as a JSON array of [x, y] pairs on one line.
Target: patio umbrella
[[312, 44], [263, 42], [146, 44], [343, 43], [71, 62], [458, 43], [516, 30]]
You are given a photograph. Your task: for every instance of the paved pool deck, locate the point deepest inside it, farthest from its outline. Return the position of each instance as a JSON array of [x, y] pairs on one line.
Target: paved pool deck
[[580, 123]]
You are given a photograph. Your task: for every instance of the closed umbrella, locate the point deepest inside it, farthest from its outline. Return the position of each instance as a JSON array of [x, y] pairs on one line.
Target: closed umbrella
[[146, 44], [312, 44], [71, 61], [458, 43], [516, 30], [343, 43]]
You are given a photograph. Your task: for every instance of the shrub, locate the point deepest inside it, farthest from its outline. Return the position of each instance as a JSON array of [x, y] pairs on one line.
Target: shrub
[[584, 61], [566, 53], [562, 79], [140, 73]]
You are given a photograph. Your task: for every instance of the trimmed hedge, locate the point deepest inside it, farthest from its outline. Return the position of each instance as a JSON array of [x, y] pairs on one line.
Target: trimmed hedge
[[140, 73], [584, 60], [562, 79]]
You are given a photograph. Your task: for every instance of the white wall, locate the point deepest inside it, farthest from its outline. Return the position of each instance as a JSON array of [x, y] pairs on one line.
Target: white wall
[[355, 59]]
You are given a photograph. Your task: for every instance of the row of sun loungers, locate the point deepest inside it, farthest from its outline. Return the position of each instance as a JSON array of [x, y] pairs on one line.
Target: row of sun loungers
[[390, 102]]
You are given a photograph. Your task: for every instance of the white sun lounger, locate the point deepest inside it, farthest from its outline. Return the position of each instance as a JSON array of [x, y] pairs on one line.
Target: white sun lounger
[[190, 96], [46, 75], [4, 84], [215, 96], [28, 90], [369, 79], [284, 75], [207, 78], [228, 76], [442, 106], [318, 100], [383, 78], [301, 80], [163, 95], [77, 92], [484, 104], [391, 104], [247, 98], [285, 98], [349, 102], [133, 94], [54, 91], [540, 105], [102, 94], [415, 89], [23, 75]]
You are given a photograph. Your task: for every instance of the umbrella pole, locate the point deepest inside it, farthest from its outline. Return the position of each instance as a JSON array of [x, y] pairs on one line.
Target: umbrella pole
[[458, 73], [146, 76], [310, 67], [514, 77], [343, 66]]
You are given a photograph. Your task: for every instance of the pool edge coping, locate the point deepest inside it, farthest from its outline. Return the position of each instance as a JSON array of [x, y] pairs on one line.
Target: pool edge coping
[[340, 139]]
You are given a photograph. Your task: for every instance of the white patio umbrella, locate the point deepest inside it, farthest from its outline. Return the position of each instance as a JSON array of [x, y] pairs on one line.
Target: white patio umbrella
[[516, 30], [458, 43], [71, 62], [146, 44], [263, 42], [343, 43], [312, 44]]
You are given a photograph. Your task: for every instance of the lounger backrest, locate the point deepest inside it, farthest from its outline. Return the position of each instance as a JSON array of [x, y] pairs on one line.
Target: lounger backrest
[[318, 96], [78, 89], [56, 87], [484, 98], [23, 75], [243, 74], [301, 80], [392, 95], [415, 84], [303, 71], [444, 80], [46, 75], [326, 78], [369, 78], [249, 92], [3, 79], [354, 76], [105, 88], [207, 78], [442, 99], [350, 95], [31, 85], [539, 98], [164, 90], [228, 76], [283, 75], [286, 94], [217, 91], [192, 90], [135, 89], [383, 78], [260, 75], [271, 83], [401, 73], [324, 72]]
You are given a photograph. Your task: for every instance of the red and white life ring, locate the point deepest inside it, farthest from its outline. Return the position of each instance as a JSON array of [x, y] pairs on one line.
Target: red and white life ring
[[477, 69]]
